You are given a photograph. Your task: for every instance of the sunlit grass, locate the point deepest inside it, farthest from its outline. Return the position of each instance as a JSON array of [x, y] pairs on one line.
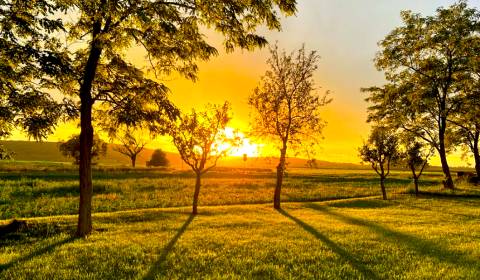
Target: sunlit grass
[[350, 239], [55, 192]]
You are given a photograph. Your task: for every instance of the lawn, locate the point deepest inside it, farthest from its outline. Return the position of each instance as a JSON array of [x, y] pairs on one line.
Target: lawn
[[45, 190], [405, 238]]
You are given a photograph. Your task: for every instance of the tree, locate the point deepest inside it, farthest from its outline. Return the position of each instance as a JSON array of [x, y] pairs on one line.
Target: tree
[[415, 157], [286, 106], [97, 75], [132, 142], [380, 151], [71, 148], [5, 154], [201, 141], [424, 61], [159, 158]]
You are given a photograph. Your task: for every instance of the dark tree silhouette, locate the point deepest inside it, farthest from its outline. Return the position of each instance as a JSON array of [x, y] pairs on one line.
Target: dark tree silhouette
[[415, 157], [5, 154], [201, 141], [71, 148], [425, 62], [159, 158], [286, 106], [380, 151], [92, 45], [132, 141]]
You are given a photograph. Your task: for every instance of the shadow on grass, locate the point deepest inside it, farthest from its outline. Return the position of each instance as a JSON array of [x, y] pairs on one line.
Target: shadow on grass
[[159, 264], [421, 246], [44, 250], [444, 195], [344, 254]]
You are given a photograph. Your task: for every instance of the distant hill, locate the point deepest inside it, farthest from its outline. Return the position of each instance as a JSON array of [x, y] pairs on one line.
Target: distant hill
[[48, 151]]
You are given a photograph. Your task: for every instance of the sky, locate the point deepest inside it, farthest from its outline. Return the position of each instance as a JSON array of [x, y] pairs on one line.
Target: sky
[[343, 32]]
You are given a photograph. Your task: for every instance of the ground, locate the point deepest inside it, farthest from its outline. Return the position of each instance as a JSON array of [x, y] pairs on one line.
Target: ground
[[435, 236]]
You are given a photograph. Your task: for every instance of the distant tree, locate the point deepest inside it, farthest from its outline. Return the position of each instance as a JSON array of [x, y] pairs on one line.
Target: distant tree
[[132, 141], [201, 141], [286, 106], [415, 157], [5, 154], [380, 151], [425, 62], [159, 158], [90, 39], [71, 148]]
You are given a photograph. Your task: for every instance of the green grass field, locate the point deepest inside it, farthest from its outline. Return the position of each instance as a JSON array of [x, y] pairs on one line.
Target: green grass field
[[332, 226], [405, 238], [50, 191]]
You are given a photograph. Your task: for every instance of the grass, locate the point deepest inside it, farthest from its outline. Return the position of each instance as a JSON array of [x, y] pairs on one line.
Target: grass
[[406, 238], [53, 189]]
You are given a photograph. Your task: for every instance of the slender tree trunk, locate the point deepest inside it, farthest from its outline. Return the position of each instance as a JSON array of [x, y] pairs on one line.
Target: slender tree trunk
[[280, 172], [84, 226], [196, 194], [382, 186], [415, 182], [476, 153], [415, 179], [448, 182], [133, 159]]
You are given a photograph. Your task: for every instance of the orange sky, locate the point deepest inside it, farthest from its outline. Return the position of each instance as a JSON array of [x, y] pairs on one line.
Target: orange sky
[[345, 34]]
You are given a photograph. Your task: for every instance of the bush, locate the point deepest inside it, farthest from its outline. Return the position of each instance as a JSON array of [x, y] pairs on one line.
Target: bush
[[159, 158]]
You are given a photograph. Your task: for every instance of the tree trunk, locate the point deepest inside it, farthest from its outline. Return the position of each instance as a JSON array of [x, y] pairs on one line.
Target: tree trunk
[[476, 154], [84, 226], [448, 182], [280, 172], [382, 186], [133, 159], [415, 182], [196, 194]]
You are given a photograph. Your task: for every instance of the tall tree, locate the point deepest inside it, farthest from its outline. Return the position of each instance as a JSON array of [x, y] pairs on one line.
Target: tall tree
[[286, 105], [380, 151], [424, 62], [99, 32], [201, 141]]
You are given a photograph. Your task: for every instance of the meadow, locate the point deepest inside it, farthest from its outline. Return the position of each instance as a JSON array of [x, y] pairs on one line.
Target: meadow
[[332, 225], [45, 190]]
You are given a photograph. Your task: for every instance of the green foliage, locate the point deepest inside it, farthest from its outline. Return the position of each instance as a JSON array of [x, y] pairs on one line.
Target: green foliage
[[200, 137], [71, 148], [159, 158], [285, 104], [380, 150], [5, 154]]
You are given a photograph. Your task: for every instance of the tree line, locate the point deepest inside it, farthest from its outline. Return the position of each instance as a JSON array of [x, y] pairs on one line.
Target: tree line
[[431, 98]]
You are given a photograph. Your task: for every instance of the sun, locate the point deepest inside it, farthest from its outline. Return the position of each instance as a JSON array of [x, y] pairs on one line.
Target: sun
[[246, 147]]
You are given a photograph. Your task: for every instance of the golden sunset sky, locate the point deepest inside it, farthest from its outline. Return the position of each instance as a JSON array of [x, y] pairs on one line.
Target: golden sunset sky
[[345, 34]]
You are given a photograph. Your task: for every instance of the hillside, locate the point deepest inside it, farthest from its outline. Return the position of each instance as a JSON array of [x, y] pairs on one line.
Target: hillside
[[48, 151]]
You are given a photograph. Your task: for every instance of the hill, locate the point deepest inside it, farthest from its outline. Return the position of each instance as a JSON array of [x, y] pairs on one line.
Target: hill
[[48, 151]]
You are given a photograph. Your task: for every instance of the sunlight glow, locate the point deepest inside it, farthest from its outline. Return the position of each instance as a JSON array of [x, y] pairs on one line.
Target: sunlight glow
[[246, 147]]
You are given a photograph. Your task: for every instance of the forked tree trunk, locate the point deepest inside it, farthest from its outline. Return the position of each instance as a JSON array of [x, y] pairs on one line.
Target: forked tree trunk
[[84, 226], [382, 186], [280, 173], [196, 194]]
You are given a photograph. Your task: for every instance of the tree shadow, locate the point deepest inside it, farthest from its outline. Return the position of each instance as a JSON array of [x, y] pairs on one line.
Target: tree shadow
[[421, 246], [159, 264], [341, 252], [44, 250]]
